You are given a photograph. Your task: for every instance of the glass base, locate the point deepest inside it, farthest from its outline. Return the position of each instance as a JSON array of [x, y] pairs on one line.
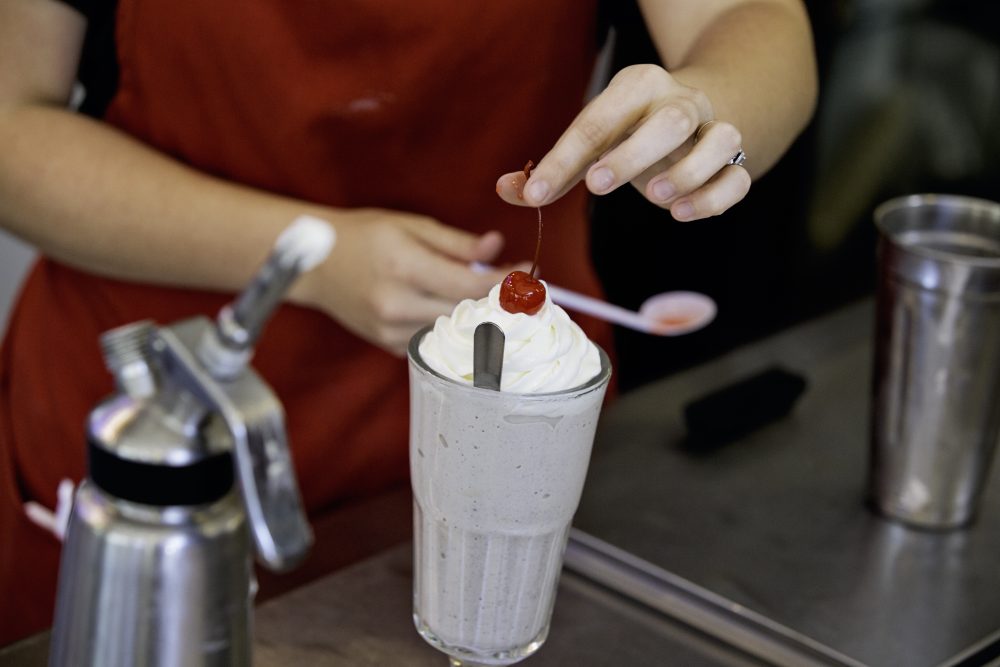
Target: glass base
[[455, 662], [461, 656]]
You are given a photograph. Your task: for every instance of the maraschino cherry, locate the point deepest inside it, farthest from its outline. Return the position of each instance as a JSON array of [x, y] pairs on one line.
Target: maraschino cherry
[[522, 292]]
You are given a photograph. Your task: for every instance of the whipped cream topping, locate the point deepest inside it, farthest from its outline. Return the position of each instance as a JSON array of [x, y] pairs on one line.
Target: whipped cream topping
[[544, 352]]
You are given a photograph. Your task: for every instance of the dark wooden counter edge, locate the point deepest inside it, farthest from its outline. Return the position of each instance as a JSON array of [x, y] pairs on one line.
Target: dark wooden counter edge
[[343, 537]]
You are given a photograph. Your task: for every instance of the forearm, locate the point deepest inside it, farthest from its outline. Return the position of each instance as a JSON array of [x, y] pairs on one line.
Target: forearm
[[754, 61], [92, 197], [96, 199]]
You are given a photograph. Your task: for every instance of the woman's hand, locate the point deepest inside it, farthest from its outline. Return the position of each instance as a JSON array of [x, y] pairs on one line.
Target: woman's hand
[[642, 130], [391, 273]]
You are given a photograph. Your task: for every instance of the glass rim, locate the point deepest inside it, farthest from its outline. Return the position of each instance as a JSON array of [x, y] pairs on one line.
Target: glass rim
[[975, 205], [601, 378]]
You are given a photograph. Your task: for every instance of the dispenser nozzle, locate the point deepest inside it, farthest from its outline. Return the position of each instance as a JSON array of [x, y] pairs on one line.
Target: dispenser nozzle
[[301, 247]]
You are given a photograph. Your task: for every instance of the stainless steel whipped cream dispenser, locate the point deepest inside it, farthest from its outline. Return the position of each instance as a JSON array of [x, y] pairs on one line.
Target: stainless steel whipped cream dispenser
[[188, 462]]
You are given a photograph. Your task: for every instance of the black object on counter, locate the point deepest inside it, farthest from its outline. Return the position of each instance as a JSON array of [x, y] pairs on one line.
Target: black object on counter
[[733, 411]]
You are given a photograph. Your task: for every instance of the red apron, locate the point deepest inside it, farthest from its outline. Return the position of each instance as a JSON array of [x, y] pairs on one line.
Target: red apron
[[402, 105]]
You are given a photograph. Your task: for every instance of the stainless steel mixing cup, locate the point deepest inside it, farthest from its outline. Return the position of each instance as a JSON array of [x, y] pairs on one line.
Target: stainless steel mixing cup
[[936, 391]]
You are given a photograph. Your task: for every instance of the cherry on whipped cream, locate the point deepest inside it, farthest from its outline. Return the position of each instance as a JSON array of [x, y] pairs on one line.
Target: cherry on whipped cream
[[522, 292]]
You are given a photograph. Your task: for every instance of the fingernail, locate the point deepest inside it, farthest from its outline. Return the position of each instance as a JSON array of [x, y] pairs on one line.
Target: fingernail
[[537, 191], [663, 190], [682, 211], [601, 179]]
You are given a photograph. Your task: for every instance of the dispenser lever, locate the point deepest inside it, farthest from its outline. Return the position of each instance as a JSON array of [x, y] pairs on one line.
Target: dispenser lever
[[254, 419], [211, 360]]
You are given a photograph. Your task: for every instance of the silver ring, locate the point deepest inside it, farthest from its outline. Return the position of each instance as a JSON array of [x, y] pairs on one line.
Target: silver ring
[[738, 159]]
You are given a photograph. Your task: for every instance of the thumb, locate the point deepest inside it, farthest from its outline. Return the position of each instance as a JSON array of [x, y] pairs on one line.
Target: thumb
[[457, 243]]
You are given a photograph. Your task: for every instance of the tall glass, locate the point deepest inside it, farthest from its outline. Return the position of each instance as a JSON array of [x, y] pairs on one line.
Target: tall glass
[[496, 480]]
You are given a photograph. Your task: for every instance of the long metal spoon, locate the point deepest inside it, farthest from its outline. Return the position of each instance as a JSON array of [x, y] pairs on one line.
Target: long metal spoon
[[487, 356]]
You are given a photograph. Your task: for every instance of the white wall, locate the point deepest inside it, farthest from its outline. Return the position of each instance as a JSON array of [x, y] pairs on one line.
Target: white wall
[[15, 258]]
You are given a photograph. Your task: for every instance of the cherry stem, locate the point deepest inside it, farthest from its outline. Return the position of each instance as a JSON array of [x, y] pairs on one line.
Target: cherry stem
[[538, 245]]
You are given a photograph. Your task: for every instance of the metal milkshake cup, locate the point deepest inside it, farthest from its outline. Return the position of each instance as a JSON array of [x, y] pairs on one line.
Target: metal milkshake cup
[[936, 390]]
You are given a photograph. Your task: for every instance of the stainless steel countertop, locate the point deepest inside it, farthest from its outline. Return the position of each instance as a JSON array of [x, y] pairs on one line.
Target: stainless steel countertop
[[765, 545], [773, 529]]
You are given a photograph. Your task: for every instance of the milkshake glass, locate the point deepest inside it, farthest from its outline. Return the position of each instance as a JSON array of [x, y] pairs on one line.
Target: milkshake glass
[[496, 477]]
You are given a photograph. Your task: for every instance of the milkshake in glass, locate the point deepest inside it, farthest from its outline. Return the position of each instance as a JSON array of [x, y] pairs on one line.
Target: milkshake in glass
[[497, 476]]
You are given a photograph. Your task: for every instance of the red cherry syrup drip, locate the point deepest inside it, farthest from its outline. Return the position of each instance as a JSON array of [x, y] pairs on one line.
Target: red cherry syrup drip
[[521, 292]]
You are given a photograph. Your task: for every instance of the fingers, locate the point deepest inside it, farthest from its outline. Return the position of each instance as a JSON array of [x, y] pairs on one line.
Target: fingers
[[440, 265], [434, 285], [713, 150], [488, 247], [726, 188], [400, 309], [702, 183], [402, 314], [456, 243], [394, 273], [641, 130], [601, 124], [510, 187], [422, 256], [445, 278], [598, 144], [659, 135]]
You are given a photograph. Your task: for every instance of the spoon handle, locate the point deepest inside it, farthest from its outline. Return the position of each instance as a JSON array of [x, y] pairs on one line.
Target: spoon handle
[[600, 309]]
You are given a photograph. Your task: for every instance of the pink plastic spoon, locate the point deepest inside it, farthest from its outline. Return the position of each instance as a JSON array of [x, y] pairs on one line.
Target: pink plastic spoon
[[664, 314]]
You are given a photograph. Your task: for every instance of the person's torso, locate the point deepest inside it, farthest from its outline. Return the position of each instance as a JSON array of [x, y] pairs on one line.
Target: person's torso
[[392, 104]]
